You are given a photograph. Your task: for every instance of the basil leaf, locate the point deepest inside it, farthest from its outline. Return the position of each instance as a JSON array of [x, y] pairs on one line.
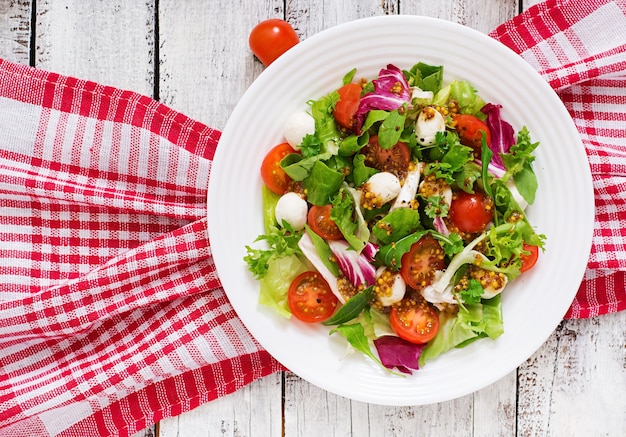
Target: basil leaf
[[352, 308]]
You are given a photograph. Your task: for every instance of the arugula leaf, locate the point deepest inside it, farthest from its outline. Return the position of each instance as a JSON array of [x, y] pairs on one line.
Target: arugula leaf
[[373, 117], [391, 254], [426, 77], [451, 244], [355, 334], [455, 158], [467, 175], [361, 172], [391, 128], [519, 164], [349, 77], [352, 308], [349, 145], [347, 215], [485, 157], [325, 126]]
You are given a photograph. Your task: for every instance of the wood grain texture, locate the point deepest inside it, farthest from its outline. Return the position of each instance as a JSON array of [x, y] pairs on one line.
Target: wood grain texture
[[109, 42], [15, 28]]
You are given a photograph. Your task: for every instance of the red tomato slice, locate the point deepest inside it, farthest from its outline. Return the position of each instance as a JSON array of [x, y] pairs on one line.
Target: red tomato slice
[[530, 259], [271, 172], [346, 107], [394, 160], [310, 298], [470, 131], [320, 222], [414, 320], [470, 212], [271, 38], [421, 261]]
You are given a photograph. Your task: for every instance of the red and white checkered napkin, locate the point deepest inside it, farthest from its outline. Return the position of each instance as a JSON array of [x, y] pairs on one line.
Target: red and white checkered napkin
[[580, 49], [111, 313]]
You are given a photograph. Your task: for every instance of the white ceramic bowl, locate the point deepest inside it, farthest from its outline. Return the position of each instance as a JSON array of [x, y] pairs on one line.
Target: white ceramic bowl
[[533, 305]]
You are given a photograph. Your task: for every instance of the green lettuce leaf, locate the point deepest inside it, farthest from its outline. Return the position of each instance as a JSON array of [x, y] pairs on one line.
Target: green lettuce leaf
[[472, 322], [275, 283]]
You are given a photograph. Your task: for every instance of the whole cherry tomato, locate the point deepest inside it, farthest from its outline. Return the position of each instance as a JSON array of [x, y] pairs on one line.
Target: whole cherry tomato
[[271, 38]]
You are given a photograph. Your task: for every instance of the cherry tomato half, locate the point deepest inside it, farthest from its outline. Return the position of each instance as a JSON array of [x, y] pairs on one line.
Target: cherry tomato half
[[271, 38], [346, 107], [471, 212], [394, 160], [310, 298], [272, 173], [421, 261], [530, 259], [470, 131], [414, 320], [320, 222]]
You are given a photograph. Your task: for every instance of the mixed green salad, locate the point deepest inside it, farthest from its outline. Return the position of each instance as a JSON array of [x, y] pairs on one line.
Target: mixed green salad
[[394, 214]]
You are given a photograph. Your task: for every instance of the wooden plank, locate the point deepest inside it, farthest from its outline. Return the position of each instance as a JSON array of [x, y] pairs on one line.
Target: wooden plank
[[575, 384], [15, 31], [482, 15], [204, 72], [108, 42], [253, 411]]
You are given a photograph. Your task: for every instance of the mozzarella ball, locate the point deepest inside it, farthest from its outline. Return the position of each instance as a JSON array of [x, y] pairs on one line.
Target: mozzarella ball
[[297, 127], [390, 287], [293, 209], [428, 123], [381, 188]]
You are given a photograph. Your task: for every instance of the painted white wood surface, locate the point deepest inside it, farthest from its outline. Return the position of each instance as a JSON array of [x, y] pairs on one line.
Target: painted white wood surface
[[193, 56]]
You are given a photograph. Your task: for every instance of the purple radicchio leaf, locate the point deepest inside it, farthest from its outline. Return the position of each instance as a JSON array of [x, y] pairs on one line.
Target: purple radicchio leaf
[[356, 267], [391, 91], [440, 226], [502, 133], [396, 352], [370, 250]]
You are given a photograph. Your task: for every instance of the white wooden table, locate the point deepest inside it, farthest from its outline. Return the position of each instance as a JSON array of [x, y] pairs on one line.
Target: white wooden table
[[193, 56]]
